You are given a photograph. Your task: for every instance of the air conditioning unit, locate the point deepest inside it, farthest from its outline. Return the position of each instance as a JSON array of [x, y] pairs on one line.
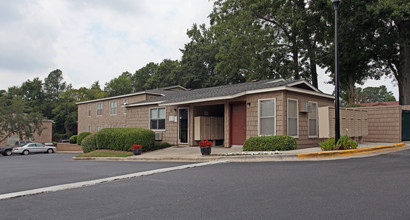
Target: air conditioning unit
[[158, 136], [308, 107]]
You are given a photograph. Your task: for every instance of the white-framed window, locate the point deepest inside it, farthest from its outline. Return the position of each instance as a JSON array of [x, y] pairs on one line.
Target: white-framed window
[[89, 128], [99, 127], [125, 103], [157, 118], [113, 108], [113, 126], [89, 110], [293, 116], [312, 118], [267, 117], [99, 108]]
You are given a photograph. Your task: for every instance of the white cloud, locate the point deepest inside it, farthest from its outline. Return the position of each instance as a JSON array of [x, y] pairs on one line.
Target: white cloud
[[92, 40]]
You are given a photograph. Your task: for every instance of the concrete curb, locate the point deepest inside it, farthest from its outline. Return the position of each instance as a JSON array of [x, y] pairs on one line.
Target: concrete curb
[[241, 158], [350, 152]]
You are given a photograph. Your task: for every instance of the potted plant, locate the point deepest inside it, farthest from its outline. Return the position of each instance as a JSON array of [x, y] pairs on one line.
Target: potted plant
[[205, 147], [136, 149]]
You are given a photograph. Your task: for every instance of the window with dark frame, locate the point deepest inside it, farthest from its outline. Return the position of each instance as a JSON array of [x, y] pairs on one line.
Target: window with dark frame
[[99, 108], [157, 118]]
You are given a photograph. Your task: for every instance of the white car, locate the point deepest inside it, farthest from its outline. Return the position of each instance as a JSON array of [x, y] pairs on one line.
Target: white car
[[33, 148]]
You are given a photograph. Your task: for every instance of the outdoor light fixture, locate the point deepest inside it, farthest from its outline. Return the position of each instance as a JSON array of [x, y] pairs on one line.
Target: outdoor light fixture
[[337, 114], [249, 104]]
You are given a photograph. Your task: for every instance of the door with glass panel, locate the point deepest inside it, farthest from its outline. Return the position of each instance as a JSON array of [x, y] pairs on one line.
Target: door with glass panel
[[183, 126]]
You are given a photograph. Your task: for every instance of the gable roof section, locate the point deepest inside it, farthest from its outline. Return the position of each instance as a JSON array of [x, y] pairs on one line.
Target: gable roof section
[[158, 92], [232, 91]]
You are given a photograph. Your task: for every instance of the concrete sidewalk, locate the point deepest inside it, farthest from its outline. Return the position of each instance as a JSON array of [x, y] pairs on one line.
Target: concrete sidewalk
[[235, 154]]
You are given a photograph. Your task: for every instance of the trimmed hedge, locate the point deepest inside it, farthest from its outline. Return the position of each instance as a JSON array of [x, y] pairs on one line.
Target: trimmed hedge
[[73, 139], [270, 143], [89, 143], [81, 137], [123, 138]]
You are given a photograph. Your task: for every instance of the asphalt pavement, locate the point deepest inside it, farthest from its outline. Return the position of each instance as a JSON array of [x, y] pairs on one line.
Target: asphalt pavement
[[33, 171], [357, 188]]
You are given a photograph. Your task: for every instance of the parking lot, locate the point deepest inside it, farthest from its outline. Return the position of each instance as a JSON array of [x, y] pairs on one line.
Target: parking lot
[[21, 172]]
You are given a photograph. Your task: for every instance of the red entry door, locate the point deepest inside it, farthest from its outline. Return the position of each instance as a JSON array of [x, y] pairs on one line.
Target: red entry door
[[238, 123]]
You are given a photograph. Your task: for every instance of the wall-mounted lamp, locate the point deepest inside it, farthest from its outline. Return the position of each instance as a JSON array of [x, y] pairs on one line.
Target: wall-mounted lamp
[[249, 104], [175, 110]]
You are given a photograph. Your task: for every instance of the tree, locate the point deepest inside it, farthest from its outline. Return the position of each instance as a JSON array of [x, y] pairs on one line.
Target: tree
[[199, 59], [119, 86], [53, 84], [142, 75], [369, 95], [17, 119], [374, 94], [65, 114], [32, 92], [168, 74], [393, 42], [267, 39]]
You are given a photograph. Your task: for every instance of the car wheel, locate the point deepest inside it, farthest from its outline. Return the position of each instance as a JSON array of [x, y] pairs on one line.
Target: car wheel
[[50, 151], [25, 152], [7, 153]]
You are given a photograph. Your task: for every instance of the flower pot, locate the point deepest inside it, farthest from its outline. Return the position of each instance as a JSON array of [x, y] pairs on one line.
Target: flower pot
[[206, 150], [137, 151]]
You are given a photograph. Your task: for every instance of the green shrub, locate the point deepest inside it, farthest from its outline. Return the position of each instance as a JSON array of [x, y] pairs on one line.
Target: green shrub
[[328, 144], [89, 143], [344, 143], [81, 137], [160, 145], [270, 143], [73, 139], [123, 138]]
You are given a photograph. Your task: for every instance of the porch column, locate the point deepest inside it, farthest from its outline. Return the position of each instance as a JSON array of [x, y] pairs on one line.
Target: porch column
[[227, 124]]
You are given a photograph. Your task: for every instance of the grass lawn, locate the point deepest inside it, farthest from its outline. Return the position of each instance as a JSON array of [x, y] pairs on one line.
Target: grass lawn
[[106, 153]]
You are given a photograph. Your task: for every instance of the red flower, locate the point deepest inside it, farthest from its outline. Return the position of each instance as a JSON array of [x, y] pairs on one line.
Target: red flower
[[205, 144], [136, 146]]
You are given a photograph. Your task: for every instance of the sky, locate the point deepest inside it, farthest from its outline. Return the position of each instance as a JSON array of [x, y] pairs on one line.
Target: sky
[[97, 40]]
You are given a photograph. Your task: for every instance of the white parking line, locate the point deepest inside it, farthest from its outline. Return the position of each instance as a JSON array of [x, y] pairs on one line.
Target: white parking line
[[103, 180]]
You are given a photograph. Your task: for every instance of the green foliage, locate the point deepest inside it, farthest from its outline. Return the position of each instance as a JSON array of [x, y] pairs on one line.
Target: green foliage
[[16, 118], [199, 59], [81, 137], [54, 84], [374, 94], [168, 74], [119, 86], [160, 145], [142, 75], [270, 143], [89, 143], [328, 144], [123, 138], [73, 139], [344, 143]]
